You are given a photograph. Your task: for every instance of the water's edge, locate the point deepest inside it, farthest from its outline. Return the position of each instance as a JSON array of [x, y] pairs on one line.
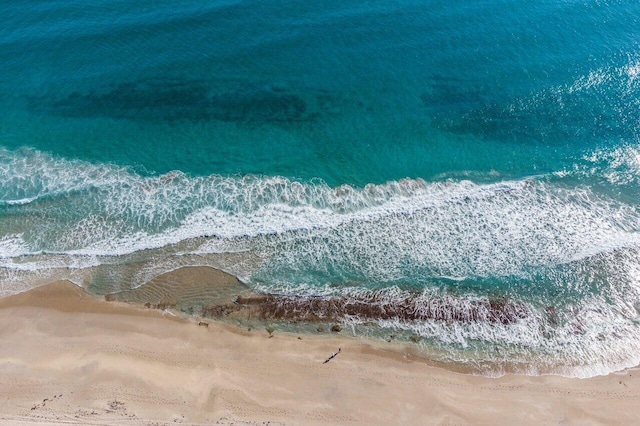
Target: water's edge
[[201, 294]]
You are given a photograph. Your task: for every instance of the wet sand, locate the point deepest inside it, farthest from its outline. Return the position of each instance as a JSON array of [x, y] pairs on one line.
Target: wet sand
[[71, 358]]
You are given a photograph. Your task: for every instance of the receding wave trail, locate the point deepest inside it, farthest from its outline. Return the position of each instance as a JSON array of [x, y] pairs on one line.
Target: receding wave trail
[[565, 252]]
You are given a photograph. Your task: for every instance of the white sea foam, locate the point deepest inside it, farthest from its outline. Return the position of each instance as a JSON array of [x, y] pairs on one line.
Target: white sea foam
[[383, 232], [107, 226], [12, 245], [19, 202]]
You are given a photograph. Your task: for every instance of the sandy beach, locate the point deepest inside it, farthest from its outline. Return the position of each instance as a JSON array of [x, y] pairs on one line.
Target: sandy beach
[[71, 358]]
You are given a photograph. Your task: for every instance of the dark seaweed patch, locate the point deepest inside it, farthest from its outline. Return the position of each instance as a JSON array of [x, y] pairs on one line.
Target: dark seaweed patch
[[546, 116], [374, 307], [409, 309], [159, 100], [134, 101], [258, 106], [215, 294]]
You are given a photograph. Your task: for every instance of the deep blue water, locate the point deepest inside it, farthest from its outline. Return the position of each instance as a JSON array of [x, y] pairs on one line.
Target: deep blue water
[[479, 150]]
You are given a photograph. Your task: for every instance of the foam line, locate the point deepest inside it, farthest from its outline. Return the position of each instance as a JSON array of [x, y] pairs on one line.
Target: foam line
[[565, 253]]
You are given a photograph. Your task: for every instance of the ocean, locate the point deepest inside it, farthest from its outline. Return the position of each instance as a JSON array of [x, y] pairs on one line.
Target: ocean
[[455, 154]]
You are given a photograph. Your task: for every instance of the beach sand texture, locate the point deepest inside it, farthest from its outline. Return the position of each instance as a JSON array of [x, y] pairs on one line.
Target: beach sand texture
[[71, 358]]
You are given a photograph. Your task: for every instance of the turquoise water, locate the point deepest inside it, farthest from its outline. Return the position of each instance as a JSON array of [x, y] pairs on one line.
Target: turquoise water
[[429, 150]]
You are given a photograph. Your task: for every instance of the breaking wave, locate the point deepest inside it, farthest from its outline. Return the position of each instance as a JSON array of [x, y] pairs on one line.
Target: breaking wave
[[447, 260]]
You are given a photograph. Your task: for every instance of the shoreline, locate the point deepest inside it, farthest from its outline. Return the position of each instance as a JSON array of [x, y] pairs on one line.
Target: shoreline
[[212, 294], [70, 357]]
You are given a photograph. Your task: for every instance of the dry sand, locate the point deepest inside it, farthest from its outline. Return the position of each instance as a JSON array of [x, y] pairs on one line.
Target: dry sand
[[70, 358]]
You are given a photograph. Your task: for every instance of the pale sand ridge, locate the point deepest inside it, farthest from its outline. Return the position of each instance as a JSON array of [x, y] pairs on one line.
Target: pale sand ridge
[[70, 358]]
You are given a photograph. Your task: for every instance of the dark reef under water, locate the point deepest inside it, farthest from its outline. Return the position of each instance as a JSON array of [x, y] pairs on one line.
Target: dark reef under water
[[211, 293], [166, 100]]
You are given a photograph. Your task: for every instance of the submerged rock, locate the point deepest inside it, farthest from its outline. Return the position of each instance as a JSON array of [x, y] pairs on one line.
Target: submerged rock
[[188, 100], [210, 293]]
